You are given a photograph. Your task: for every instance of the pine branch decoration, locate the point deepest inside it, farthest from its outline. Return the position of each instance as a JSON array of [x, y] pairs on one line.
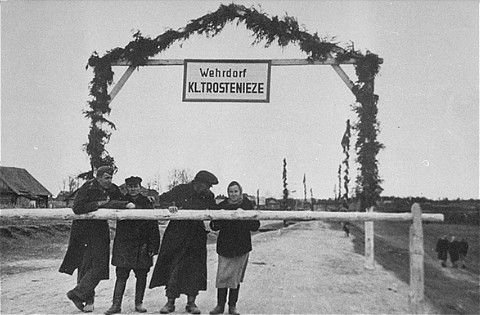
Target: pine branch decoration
[[284, 31]]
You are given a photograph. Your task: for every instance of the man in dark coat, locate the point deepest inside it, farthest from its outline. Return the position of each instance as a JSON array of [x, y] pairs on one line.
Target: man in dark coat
[[182, 262], [442, 250], [136, 242], [89, 244]]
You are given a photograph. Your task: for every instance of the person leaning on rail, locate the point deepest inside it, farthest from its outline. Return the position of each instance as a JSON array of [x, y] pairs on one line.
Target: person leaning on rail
[[234, 243], [135, 244], [89, 243], [182, 261]]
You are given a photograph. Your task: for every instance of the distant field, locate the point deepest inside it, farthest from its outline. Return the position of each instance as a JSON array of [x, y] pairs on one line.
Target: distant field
[[455, 212], [453, 291]]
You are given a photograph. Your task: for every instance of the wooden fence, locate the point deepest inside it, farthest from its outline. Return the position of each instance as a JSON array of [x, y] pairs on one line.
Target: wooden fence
[[416, 294]]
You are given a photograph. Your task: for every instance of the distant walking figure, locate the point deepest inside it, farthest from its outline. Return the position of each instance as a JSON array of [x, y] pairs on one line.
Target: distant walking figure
[[346, 229], [463, 252], [233, 246], [442, 250], [454, 251]]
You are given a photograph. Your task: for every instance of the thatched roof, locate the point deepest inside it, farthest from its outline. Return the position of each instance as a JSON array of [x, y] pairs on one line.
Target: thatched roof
[[21, 182]]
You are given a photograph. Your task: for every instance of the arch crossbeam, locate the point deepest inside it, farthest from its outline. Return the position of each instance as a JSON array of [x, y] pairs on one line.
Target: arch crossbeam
[[335, 64]]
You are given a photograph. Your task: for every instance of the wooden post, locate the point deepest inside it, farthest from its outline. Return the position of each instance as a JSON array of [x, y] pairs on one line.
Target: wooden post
[[417, 288], [369, 248]]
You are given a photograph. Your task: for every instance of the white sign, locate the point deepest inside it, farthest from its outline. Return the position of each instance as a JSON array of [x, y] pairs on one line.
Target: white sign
[[226, 81]]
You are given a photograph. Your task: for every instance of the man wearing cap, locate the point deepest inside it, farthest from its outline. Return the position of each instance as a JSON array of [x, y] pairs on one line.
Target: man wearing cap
[[89, 244], [135, 244], [182, 261]]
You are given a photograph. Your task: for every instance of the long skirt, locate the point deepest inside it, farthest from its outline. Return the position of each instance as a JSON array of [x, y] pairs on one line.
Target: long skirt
[[231, 271]]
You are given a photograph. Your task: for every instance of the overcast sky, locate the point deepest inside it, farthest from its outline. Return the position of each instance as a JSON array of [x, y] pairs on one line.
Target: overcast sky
[[428, 89]]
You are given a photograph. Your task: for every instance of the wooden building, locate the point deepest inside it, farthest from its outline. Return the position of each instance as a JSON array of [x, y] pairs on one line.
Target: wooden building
[[19, 189]]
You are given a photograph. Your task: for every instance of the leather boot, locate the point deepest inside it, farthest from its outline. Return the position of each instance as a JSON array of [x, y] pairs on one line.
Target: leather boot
[[89, 304], [232, 301], [79, 303], [139, 293], [117, 297], [191, 306], [88, 308], [221, 300], [168, 307], [233, 310]]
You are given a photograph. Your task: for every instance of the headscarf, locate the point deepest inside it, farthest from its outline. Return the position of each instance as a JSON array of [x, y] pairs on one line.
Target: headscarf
[[235, 183]]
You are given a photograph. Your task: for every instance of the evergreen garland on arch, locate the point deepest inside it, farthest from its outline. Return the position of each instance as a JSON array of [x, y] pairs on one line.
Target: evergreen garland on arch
[[283, 31]]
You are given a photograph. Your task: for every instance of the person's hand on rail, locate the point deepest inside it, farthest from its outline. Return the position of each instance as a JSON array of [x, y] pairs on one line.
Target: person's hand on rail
[[173, 209], [130, 205]]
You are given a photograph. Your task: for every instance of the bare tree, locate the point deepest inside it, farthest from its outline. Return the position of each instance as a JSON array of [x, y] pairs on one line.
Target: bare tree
[[71, 183], [154, 183], [178, 176]]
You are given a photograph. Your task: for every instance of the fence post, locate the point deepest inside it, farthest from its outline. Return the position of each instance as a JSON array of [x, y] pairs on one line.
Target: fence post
[[417, 289], [369, 248]]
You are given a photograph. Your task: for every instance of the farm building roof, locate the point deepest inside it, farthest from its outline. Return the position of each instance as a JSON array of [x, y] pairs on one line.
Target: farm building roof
[[21, 182]]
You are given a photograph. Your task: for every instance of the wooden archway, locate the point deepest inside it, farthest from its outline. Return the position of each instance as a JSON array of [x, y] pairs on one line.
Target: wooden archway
[[284, 31]]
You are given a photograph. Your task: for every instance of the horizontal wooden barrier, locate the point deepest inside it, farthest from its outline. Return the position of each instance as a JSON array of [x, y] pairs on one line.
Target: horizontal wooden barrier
[[164, 214], [416, 294]]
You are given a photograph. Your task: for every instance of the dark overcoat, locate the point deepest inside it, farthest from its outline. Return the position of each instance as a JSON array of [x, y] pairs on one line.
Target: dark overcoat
[[182, 260], [136, 241], [463, 248], [442, 248], [234, 238], [91, 236], [454, 250]]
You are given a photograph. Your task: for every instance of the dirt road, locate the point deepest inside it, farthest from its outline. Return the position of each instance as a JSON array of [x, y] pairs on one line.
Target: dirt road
[[305, 268]]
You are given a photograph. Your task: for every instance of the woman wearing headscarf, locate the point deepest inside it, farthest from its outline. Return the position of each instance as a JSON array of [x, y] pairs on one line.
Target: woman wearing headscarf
[[233, 246]]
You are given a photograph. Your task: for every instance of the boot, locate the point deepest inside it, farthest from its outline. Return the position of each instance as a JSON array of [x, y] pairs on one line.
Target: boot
[[117, 297], [232, 301], [88, 308], [233, 310], [76, 300], [191, 306], [89, 304], [168, 307], [221, 300], [139, 293]]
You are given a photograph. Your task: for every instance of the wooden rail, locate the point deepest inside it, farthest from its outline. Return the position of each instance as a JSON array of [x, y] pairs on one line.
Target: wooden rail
[[416, 294], [164, 214], [275, 62]]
